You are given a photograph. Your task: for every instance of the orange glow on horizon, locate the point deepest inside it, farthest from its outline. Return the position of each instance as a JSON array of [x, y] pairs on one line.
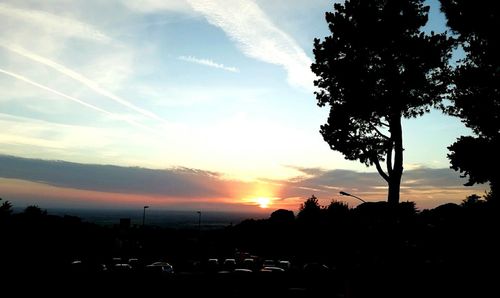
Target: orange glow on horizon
[[22, 192], [260, 197], [263, 195], [263, 202]]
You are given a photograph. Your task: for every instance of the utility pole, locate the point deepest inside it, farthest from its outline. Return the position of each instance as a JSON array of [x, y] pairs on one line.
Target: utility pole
[[144, 215], [199, 220]]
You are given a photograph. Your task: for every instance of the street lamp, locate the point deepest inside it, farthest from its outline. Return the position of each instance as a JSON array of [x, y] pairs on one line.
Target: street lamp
[[349, 195], [199, 220], [144, 215]]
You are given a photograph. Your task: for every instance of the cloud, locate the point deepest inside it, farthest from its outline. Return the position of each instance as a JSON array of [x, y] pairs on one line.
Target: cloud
[[78, 142], [152, 6], [208, 62], [79, 78], [54, 23], [23, 136], [427, 187], [258, 37], [72, 98], [180, 182]]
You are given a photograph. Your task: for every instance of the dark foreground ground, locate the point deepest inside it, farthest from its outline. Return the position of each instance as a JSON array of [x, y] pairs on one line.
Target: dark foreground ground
[[365, 283], [373, 250]]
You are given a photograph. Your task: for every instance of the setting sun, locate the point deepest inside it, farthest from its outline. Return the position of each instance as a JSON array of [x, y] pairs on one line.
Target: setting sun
[[263, 202]]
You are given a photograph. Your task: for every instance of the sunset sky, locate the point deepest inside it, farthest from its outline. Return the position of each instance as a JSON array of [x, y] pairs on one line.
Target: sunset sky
[[185, 104]]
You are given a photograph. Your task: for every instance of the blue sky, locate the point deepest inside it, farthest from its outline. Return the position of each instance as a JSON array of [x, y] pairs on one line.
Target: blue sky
[[218, 86]]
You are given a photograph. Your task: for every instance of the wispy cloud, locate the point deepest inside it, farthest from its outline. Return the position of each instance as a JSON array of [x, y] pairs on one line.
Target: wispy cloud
[[208, 62], [101, 142], [72, 98], [54, 23], [23, 136], [151, 6], [258, 37], [79, 78]]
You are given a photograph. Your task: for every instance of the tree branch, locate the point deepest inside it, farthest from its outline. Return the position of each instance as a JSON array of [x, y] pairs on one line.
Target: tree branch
[[378, 131], [389, 160], [379, 169], [383, 123]]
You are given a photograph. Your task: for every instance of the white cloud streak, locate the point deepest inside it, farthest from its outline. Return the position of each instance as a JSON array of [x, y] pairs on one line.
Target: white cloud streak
[[54, 23], [258, 37], [208, 62], [79, 78], [25, 135], [72, 98], [152, 6]]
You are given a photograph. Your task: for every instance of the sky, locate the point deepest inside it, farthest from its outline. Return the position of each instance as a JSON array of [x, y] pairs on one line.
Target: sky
[[186, 104]]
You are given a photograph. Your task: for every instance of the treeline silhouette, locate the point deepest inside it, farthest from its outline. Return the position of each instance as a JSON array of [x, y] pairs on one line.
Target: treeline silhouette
[[374, 250]]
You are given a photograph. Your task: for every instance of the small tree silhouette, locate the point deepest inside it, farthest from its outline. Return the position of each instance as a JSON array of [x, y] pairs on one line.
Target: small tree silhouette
[[34, 211], [310, 210], [337, 210], [5, 209], [282, 216], [471, 201]]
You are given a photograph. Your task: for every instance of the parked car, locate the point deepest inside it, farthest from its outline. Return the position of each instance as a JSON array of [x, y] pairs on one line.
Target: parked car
[[122, 268], [249, 263], [212, 265], [272, 269], [160, 267], [242, 271], [286, 265], [229, 264], [269, 263], [315, 268]]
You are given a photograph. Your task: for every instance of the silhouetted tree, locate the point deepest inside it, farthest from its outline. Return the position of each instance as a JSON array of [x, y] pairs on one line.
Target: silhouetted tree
[[407, 208], [310, 210], [282, 216], [472, 200], [376, 68], [5, 209], [476, 158], [34, 211], [475, 93], [337, 210]]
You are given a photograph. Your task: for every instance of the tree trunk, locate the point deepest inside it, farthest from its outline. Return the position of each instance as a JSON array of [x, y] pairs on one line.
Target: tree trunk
[[394, 188], [394, 180]]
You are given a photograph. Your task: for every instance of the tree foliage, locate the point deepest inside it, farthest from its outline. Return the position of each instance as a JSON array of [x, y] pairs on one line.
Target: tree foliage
[[282, 216], [5, 208], [337, 207], [374, 69], [476, 158], [310, 210], [34, 211], [476, 93], [472, 201]]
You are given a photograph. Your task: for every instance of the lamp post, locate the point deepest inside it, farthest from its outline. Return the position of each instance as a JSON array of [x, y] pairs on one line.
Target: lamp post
[[199, 220], [144, 215], [343, 193]]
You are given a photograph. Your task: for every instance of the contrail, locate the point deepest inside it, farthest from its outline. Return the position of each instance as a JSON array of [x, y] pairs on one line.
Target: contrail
[[83, 103], [58, 24], [80, 78]]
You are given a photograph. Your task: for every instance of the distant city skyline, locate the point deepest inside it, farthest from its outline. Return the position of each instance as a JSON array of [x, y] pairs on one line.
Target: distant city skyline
[[186, 104]]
